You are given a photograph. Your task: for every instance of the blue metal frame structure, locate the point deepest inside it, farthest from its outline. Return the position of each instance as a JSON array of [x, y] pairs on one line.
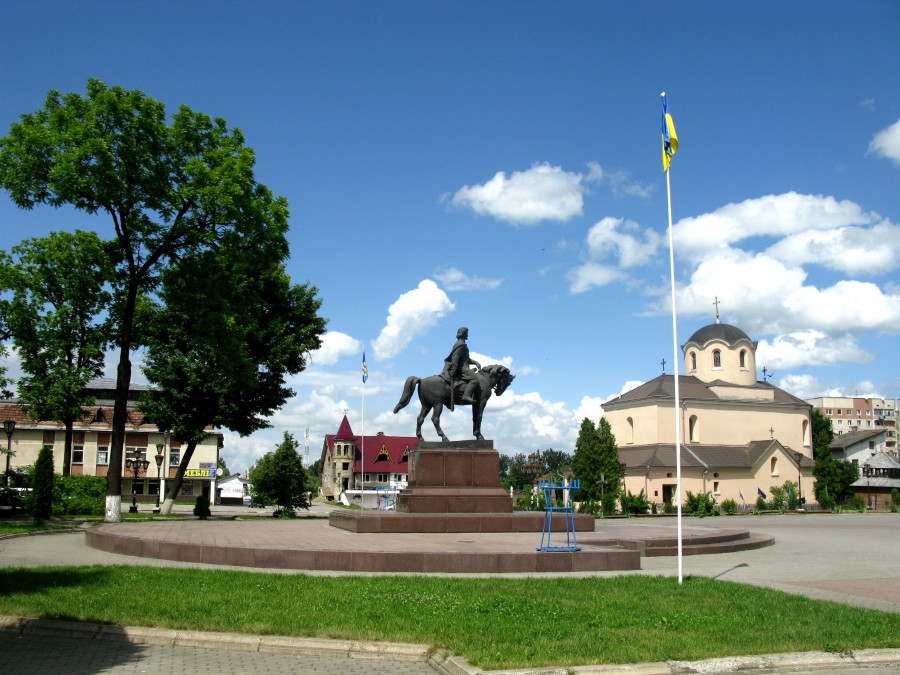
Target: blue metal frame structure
[[565, 507]]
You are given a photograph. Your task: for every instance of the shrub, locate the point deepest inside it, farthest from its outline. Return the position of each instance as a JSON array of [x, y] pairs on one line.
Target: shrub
[[201, 507], [701, 504], [592, 506], [632, 504], [761, 504], [79, 495], [730, 507], [858, 503]]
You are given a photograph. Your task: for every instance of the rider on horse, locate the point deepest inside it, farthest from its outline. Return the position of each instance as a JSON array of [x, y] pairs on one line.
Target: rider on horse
[[457, 368]]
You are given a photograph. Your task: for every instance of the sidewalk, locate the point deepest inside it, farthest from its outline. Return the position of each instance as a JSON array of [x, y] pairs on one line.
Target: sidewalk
[[849, 558]]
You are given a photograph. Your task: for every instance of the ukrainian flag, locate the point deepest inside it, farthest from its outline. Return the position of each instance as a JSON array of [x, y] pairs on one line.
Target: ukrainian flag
[[669, 137]]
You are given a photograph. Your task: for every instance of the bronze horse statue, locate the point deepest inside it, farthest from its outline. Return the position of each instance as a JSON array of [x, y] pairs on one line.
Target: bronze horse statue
[[434, 394]]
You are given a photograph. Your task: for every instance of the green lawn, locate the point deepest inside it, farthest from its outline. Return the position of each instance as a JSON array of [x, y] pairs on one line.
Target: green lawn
[[494, 623]]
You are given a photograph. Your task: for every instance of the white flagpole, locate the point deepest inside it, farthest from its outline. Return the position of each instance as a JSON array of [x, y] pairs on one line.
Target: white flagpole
[[677, 390], [362, 465]]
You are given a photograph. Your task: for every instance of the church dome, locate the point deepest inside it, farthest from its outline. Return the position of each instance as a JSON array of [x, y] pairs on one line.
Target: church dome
[[727, 333]]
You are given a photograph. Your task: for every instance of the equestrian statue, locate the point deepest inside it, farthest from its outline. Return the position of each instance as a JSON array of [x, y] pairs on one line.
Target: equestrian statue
[[462, 382]]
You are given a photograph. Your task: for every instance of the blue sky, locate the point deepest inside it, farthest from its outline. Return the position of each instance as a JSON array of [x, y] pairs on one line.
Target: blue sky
[[496, 165]]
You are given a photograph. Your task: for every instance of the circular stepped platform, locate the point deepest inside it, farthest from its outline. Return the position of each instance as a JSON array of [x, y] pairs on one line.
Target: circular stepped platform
[[311, 544]]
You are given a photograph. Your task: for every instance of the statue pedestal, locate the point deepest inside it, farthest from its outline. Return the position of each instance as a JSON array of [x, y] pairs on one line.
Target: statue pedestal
[[460, 477], [452, 487]]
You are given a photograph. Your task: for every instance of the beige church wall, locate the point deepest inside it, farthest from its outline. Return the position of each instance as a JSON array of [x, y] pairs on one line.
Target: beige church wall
[[716, 425], [729, 484]]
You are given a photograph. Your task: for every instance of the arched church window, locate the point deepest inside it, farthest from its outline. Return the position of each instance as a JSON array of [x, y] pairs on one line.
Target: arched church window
[[773, 465], [693, 360], [743, 359], [717, 359], [806, 433], [630, 430], [693, 429]]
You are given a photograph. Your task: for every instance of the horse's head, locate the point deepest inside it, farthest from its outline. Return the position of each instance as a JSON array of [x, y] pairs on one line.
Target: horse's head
[[500, 376]]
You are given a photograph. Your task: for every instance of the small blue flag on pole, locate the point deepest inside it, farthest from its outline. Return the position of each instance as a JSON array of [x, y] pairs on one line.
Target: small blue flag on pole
[[365, 370], [741, 493], [761, 493]]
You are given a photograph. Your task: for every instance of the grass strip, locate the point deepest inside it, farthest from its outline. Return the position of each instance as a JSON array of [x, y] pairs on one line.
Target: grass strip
[[494, 623]]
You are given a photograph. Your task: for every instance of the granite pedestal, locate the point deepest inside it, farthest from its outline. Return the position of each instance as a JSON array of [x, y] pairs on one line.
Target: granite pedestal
[[452, 487]]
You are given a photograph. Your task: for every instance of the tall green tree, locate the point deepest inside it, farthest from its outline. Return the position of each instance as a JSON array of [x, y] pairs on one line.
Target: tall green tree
[[596, 461], [834, 477], [59, 321], [167, 188], [279, 478], [5, 285], [229, 327], [42, 490]]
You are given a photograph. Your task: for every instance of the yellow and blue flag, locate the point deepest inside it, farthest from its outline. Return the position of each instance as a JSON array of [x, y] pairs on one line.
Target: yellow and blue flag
[[669, 137], [365, 371]]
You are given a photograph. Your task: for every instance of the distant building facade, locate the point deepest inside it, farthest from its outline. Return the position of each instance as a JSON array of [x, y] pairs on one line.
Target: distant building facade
[[351, 462], [92, 435], [849, 414], [739, 436]]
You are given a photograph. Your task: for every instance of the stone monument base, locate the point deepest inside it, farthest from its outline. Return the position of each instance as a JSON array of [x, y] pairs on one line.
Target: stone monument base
[[453, 487]]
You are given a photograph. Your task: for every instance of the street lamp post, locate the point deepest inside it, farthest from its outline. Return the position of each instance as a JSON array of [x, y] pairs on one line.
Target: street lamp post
[[159, 460], [799, 456], [602, 486], [135, 463], [10, 427]]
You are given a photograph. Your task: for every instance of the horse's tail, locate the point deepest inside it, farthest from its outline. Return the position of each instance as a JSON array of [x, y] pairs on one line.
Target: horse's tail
[[408, 390]]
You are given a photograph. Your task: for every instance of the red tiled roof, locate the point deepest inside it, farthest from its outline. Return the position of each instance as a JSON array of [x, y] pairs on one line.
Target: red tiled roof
[[384, 454]]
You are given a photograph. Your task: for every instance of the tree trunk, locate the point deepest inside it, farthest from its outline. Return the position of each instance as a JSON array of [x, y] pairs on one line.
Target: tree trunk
[[120, 411], [172, 490], [67, 447]]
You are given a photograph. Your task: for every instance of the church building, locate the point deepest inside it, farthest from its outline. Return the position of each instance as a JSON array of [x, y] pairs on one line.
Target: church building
[[739, 436]]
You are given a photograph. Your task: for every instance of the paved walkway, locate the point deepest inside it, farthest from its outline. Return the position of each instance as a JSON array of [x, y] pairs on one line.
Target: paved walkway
[[850, 558]]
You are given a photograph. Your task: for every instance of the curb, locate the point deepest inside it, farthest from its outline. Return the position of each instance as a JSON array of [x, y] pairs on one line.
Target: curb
[[282, 644], [790, 662], [441, 661]]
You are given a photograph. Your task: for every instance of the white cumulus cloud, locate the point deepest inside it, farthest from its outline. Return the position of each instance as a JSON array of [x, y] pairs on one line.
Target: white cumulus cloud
[[886, 143], [809, 348], [456, 280], [540, 193], [335, 345], [413, 314]]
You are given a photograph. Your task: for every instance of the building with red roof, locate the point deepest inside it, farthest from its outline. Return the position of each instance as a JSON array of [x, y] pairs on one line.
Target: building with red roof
[[351, 462]]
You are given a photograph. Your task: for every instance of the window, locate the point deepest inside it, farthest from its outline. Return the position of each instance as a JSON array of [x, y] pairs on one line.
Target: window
[[382, 478], [187, 489], [103, 455], [367, 478], [828, 411], [629, 430], [840, 422], [743, 359], [716, 486], [693, 430], [153, 488], [49, 437], [773, 464], [137, 487], [693, 361], [174, 456], [717, 359], [346, 466], [77, 454], [129, 452]]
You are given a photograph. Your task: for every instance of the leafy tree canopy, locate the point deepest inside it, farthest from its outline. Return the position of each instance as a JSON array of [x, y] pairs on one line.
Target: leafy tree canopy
[[279, 478], [170, 189], [59, 323]]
